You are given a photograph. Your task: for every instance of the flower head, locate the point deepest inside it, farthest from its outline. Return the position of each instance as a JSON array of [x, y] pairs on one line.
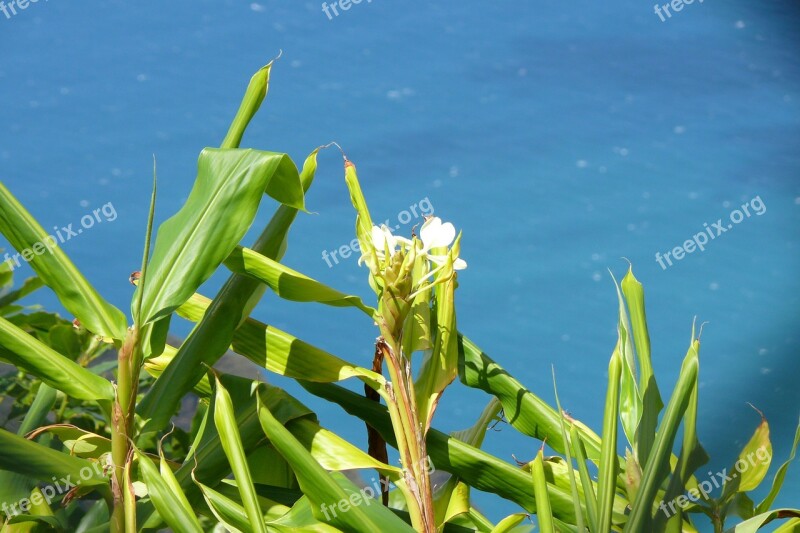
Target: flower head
[[435, 234], [383, 241]]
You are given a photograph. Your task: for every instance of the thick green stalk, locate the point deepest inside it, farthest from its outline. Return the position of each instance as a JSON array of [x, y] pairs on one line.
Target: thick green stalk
[[129, 364], [121, 427], [410, 438]]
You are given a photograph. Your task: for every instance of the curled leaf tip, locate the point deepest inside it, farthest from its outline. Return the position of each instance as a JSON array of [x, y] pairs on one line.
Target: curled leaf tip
[[757, 411], [347, 162], [700, 334]]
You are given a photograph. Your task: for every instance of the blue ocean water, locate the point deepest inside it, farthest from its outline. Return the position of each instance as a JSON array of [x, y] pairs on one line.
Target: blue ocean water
[[560, 137]]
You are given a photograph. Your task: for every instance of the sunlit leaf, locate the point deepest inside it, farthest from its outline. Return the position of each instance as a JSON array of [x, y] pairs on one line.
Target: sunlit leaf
[[56, 270], [220, 209]]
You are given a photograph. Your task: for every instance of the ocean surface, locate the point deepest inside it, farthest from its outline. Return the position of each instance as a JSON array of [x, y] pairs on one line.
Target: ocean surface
[[560, 137]]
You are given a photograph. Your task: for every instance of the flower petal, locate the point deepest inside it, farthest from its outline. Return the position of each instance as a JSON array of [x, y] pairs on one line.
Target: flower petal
[[378, 238], [402, 241], [434, 234], [458, 264]]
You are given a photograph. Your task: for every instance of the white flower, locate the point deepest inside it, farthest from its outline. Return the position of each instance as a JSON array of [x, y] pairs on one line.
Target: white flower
[[435, 234], [382, 239]]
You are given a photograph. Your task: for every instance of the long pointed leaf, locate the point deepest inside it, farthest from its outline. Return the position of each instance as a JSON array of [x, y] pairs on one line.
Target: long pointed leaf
[[40, 462], [221, 207], [606, 479], [651, 397], [167, 497], [543, 512], [212, 337], [57, 271], [755, 523], [657, 466], [251, 102], [528, 413], [287, 283], [322, 490], [225, 420], [477, 468], [780, 475], [50, 366]]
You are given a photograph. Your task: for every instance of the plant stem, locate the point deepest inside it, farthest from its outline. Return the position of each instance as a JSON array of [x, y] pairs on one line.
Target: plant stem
[[717, 520], [410, 437], [122, 424]]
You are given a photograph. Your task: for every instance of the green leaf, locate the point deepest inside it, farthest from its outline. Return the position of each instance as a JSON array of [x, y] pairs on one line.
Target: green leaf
[[528, 413], [40, 408], [609, 466], [648, 389], [212, 337], [50, 366], [167, 496], [227, 511], [658, 464], [251, 102], [692, 456], [788, 527], [77, 441], [507, 524], [287, 283], [755, 523], [56, 270], [333, 452], [587, 484], [363, 217], [475, 467], [225, 421], [453, 497], [780, 475], [752, 464], [208, 463], [221, 207], [284, 354], [40, 462], [325, 494], [417, 328], [630, 402], [29, 286], [440, 367], [573, 485], [543, 511], [14, 487]]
